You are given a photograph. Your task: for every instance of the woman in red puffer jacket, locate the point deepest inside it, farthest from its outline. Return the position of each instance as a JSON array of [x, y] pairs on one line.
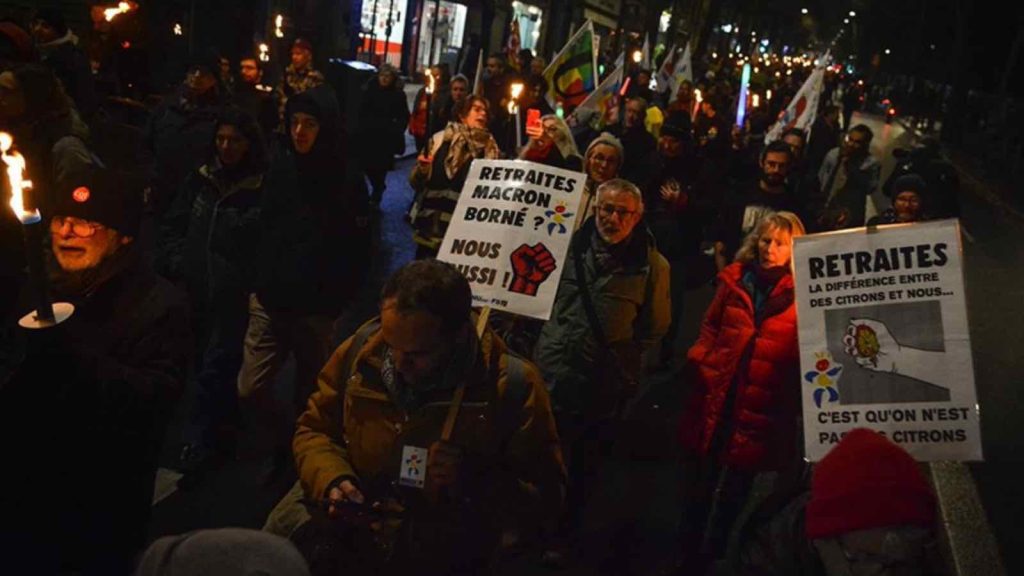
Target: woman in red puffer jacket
[[742, 416]]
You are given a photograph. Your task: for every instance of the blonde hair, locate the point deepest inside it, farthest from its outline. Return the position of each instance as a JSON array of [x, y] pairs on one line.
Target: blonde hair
[[785, 221]]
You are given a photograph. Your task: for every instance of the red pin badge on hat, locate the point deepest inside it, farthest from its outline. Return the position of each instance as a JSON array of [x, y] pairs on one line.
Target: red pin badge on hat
[[81, 194]]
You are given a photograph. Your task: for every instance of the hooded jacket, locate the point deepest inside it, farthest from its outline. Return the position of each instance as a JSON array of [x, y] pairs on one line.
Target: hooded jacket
[[315, 233], [757, 355], [211, 233]]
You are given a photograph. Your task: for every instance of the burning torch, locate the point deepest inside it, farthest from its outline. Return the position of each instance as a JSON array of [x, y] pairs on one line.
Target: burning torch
[[264, 52], [122, 8], [513, 108], [278, 23], [429, 89], [46, 313], [697, 99]]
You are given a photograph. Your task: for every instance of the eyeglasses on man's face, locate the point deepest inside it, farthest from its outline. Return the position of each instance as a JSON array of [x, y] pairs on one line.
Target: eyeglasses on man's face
[[609, 209], [81, 228]]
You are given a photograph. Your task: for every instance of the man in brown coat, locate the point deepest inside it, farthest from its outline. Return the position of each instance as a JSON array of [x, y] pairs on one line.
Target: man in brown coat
[[372, 437]]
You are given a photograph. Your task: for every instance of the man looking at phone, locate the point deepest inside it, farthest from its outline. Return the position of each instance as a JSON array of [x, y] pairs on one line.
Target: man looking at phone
[[371, 439]]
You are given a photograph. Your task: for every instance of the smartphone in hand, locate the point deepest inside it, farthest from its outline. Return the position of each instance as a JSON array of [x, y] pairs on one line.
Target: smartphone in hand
[[533, 119]]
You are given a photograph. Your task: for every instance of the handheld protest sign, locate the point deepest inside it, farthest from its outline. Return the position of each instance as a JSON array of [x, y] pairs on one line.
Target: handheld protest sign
[[510, 233], [884, 339]]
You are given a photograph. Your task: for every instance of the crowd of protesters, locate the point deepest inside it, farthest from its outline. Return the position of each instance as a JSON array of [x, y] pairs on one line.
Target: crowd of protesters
[[428, 440]]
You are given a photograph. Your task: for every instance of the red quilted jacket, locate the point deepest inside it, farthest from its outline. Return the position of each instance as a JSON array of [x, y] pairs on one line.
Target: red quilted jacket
[[760, 357]]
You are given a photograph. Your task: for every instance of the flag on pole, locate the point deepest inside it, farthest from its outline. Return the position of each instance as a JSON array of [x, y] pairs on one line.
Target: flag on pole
[[572, 73], [603, 101], [674, 69], [664, 72], [683, 70], [514, 45], [802, 110], [478, 80]]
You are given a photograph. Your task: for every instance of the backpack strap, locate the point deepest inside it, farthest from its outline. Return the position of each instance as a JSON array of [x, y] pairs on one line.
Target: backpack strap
[[348, 362]]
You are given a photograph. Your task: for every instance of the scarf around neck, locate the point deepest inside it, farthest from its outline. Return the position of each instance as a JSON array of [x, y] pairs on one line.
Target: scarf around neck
[[467, 144]]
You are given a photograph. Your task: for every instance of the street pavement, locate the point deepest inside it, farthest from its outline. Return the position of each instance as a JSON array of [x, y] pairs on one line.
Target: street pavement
[[639, 505]]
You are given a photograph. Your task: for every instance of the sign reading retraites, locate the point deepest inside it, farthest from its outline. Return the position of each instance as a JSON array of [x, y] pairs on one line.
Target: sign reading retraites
[[510, 233], [884, 341]]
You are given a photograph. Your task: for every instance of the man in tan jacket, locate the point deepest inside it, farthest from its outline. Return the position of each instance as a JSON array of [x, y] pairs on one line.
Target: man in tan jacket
[[372, 442]]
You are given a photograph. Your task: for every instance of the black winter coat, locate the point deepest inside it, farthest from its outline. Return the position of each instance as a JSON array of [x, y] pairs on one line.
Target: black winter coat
[[383, 116], [314, 223], [211, 234], [84, 413]]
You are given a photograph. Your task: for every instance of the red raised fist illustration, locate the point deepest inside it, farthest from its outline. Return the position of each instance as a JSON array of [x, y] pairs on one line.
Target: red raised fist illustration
[[531, 266]]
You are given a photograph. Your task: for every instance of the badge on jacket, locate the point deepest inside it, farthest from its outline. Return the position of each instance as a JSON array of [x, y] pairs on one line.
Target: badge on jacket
[[414, 467]]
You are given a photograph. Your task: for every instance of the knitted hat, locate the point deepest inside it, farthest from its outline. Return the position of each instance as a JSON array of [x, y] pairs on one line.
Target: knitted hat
[[677, 125], [607, 139], [225, 552], [865, 482], [909, 183], [304, 44], [98, 196]]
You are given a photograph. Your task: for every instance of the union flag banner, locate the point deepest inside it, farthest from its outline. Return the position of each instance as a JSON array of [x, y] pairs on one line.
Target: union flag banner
[[572, 73], [802, 109]]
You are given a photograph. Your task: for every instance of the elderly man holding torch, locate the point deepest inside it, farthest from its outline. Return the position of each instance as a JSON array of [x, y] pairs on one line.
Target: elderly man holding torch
[[84, 411]]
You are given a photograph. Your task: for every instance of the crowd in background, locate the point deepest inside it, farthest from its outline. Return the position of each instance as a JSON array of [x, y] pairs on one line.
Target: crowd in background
[[244, 230]]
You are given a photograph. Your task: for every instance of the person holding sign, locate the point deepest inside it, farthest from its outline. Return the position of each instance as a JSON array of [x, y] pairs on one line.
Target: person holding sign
[[440, 173], [612, 307], [419, 417], [741, 417]]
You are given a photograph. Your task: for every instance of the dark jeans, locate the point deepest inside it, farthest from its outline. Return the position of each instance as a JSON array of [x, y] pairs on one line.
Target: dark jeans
[[378, 182], [216, 401]]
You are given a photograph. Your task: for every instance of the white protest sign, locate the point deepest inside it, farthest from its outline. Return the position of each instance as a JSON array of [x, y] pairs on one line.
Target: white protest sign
[[884, 341], [510, 233]]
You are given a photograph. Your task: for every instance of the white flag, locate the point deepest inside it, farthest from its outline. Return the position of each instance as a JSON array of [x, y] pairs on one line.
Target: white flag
[[802, 110], [674, 70], [645, 62]]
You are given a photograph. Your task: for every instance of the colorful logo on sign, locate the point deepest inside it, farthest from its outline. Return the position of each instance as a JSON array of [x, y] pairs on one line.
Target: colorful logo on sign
[[824, 377], [557, 218]]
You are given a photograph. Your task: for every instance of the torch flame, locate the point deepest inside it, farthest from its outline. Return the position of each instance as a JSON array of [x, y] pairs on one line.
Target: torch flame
[[430, 83], [278, 23], [16, 173], [177, 29], [264, 53], [122, 8]]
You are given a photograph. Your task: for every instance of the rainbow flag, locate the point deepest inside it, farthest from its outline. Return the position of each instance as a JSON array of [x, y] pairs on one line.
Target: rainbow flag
[[572, 73], [604, 102]]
